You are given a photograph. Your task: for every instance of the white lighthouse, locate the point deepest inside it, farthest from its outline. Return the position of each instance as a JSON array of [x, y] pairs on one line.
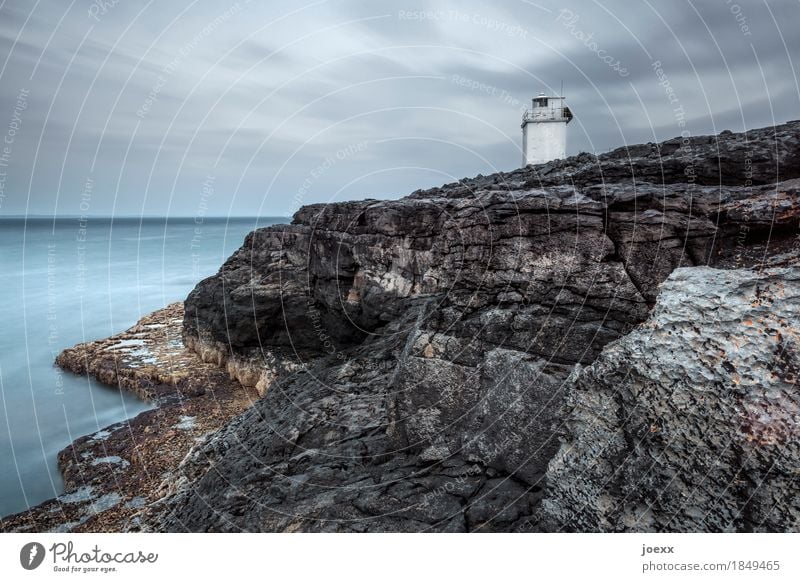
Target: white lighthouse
[[544, 130]]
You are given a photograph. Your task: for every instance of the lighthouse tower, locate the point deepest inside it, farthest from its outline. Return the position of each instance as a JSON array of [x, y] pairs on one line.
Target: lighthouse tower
[[544, 130]]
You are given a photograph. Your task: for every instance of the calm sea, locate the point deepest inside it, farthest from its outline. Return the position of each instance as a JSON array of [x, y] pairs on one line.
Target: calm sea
[[65, 281]]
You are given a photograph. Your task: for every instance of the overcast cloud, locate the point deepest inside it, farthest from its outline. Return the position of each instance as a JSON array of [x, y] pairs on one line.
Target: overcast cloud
[[131, 107]]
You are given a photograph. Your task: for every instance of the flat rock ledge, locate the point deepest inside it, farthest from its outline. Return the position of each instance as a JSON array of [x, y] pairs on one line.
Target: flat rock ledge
[[112, 474]]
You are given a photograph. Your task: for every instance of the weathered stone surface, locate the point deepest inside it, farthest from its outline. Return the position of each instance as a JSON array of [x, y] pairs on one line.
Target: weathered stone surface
[[692, 421], [760, 156], [341, 271], [436, 340]]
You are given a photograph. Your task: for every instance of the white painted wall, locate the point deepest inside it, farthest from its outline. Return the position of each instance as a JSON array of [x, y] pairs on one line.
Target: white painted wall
[[543, 141]]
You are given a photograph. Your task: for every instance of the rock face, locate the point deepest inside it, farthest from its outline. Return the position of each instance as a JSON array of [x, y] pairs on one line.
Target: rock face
[[692, 421], [418, 357]]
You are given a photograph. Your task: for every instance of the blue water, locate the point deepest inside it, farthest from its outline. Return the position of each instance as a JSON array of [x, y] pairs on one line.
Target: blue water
[[66, 281]]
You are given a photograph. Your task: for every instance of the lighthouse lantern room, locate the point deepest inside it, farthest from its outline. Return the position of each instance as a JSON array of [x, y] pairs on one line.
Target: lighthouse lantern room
[[544, 130]]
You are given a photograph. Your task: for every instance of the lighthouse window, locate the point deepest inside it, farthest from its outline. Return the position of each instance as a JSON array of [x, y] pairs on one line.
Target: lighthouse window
[[540, 102]]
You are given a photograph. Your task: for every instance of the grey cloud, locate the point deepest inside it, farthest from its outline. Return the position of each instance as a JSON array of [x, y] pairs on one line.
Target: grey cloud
[[242, 87]]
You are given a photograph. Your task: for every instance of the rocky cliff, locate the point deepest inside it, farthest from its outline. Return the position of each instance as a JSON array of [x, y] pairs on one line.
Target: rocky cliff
[[503, 353], [692, 421]]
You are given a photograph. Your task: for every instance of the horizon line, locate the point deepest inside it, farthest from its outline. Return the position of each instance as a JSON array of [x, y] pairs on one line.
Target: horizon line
[[57, 216]]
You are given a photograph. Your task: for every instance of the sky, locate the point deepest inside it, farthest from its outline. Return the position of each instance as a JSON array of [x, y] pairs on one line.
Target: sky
[[122, 107]]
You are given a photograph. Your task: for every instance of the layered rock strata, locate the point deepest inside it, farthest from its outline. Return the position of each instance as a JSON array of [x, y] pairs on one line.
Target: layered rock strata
[[426, 360]]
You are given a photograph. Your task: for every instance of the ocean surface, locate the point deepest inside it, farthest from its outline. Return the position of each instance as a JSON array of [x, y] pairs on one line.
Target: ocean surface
[[67, 281]]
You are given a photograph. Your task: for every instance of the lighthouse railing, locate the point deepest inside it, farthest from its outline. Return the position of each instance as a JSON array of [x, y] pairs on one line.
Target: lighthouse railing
[[547, 114]]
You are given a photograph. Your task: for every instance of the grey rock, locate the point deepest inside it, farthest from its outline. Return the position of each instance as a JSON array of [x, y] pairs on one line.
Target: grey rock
[[423, 352], [690, 422]]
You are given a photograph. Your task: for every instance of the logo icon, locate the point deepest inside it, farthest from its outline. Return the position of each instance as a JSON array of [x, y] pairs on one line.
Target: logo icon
[[31, 555]]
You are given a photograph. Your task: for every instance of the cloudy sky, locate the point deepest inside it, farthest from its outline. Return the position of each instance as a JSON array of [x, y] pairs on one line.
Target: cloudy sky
[[132, 107]]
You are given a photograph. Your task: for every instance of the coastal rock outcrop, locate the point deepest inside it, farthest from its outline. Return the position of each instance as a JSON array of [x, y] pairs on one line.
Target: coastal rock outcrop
[[149, 359], [110, 475], [425, 361], [692, 421]]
